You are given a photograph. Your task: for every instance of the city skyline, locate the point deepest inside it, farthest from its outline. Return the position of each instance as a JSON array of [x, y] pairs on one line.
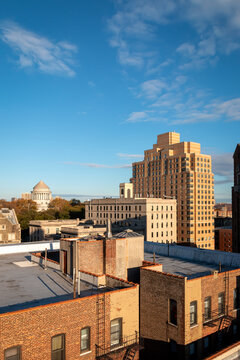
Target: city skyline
[[86, 88]]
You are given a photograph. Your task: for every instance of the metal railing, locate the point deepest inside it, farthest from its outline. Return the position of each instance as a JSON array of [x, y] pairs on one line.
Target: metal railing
[[215, 315], [126, 341]]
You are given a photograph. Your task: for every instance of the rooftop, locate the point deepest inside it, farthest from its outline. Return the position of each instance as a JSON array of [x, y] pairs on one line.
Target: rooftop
[[126, 234], [10, 215], [25, 284], [186, 268]]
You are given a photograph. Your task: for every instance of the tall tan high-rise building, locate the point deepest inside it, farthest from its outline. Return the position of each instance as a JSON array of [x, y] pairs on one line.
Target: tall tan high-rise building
[[178, 170]]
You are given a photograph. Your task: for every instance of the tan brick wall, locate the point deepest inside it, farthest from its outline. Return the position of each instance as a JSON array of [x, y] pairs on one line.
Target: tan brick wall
[[32, 329], [155, 292]]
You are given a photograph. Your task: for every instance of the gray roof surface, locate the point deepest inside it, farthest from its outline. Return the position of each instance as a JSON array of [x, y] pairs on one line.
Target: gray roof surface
[[24, 284], [185, 268]]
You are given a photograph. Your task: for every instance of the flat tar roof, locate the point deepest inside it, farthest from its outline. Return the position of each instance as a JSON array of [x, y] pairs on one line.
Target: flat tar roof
[[185, 268], [25, 284]]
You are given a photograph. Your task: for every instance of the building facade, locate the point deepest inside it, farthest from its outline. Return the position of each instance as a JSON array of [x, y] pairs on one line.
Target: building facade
[[155, 218], [47, 322], [187, 310], [178, 170], [10, 230], [223, 239], [236, 201], [40, 229], [81, 230]]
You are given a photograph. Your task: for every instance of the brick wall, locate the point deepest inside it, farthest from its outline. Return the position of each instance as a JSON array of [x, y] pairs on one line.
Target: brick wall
[[155, 291], [33, 328]]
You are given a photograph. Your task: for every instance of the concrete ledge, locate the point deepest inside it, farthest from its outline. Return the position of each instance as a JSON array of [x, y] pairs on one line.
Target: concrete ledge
[[29, 247], [194, 254], [41, 261]]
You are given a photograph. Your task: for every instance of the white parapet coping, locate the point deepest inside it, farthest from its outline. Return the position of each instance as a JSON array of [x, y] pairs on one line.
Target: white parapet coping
[[29, 247], [194, 254]]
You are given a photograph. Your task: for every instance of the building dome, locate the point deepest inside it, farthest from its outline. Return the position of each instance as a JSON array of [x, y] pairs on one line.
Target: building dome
[[42, 195], [41, 186]]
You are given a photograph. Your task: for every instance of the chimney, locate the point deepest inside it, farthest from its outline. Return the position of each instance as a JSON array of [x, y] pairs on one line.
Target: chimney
[[109, 229]]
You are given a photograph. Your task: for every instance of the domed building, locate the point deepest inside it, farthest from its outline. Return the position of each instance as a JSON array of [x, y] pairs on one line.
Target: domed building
[[42, 195]]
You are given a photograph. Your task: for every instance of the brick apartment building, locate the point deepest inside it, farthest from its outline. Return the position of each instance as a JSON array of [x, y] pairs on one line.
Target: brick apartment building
[[10, 230], [223, 238], [189, 309], [154, 218], [175, 169], [93, 315], [236, 201]]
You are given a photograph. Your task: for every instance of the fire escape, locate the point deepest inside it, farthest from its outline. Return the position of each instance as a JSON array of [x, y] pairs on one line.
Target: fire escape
[[221, 317], [130, 344]]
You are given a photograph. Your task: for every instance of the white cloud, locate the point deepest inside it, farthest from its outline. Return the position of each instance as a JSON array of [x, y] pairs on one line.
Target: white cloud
[[230, 109], [37, 51], [216, 24], [137, 116], [98, 166], [152, 88], [130, 156]]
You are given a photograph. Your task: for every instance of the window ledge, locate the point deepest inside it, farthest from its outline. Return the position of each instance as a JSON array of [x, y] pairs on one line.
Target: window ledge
[[193, 326], [85, 353], [169, 323]]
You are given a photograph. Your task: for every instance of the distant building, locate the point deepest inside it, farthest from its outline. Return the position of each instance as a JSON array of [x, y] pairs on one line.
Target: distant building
[[10, 230], [236, 201], [81, 230], [223, 239], [41, 194], [179, 170], [27, 196], [223, 210], [153, 217], [40, 229]]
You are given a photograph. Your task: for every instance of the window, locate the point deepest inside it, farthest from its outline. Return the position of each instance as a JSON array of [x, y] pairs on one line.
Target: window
[[12, 353], [11, 236], [221, 304], [58, 347], [193, 313], [116, 331], [85, 339], [173, 311], [236, 298], [207, 308]]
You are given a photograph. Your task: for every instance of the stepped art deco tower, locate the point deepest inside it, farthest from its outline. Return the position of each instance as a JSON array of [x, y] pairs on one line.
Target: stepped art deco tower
[[178, 170]]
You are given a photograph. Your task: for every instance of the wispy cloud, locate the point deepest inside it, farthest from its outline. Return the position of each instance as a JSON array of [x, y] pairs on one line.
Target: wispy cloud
[[98, 166], [130, 156], [152, 88], [223, 167], [216, 24], [35, 51]]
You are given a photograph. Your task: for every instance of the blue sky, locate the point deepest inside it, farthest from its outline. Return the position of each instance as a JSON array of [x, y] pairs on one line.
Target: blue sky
[[86, 87]]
